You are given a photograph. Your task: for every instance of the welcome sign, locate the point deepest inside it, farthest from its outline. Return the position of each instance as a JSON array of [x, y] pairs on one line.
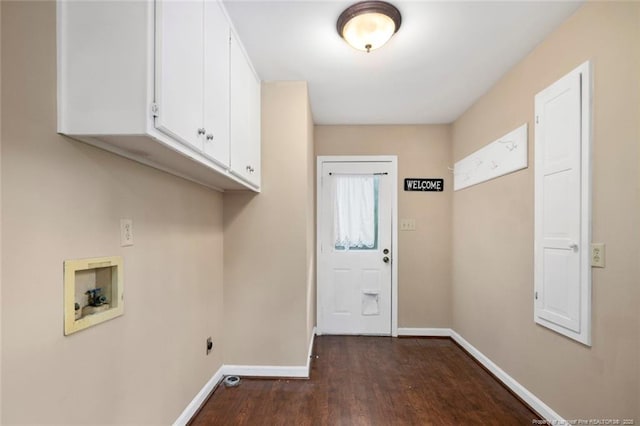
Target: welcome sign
[[424, 184]]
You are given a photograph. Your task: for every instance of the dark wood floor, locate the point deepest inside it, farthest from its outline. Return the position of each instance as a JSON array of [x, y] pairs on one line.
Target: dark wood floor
[[373, 381]]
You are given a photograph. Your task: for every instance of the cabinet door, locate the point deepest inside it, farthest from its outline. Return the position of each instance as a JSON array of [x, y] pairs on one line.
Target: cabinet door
[[179, 70], [254, 128], [243, 160], [216, 84]]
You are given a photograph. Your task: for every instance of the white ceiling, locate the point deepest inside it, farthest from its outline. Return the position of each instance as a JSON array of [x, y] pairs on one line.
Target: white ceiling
[[444, 57]]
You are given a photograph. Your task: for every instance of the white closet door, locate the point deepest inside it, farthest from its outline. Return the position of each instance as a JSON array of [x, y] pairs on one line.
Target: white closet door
[[179, 70], [562, 222]]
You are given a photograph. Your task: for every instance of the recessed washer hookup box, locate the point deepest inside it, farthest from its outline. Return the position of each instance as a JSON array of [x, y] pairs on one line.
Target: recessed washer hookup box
[[93, 292]]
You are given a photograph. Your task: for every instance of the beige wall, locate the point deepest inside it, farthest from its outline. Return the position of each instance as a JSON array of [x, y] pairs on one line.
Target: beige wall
[[266, 248], [311, 227], [424, 291], [493, 225], [638, 196], [0, 214], [63, 200]]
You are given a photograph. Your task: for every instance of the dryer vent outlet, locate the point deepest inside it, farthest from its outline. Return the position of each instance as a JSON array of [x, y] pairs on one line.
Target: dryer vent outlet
[[231, 381]]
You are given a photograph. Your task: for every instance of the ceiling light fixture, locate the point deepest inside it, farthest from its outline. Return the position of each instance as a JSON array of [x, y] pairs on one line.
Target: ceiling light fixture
[[369, 24]]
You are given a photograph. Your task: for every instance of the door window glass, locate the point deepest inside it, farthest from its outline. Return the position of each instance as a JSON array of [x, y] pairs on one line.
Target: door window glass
[[355, 219]]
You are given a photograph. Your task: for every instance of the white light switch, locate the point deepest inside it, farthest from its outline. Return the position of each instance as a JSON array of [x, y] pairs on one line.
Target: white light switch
[[126, 232], [407, 224], [597, 255]]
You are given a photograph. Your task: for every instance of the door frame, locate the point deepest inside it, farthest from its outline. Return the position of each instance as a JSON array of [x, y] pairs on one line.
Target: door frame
[[393, 160]]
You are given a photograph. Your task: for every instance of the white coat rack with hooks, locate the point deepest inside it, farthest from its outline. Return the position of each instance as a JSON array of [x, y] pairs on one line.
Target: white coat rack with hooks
[[503, 156]]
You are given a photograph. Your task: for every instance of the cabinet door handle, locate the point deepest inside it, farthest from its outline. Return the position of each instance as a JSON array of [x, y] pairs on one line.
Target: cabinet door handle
[[201, 131], [209, 137]]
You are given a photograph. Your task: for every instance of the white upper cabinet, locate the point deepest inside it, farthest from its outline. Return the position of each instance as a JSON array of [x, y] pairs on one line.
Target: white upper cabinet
[[179, 70], [216, 83], [152, 81], [245, 118], [192, 84]]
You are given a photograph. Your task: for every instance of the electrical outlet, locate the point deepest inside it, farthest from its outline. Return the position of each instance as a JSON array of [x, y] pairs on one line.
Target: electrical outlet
[[407, 224], [597, 255], [126, 232], [209, 345]]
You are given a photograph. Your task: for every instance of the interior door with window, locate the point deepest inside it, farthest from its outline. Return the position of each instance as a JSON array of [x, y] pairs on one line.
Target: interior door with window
[[355, 252]]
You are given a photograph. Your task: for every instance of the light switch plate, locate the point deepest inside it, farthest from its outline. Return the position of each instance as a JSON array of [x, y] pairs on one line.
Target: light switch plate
[[407, 224], [126, 232], [597, 255]]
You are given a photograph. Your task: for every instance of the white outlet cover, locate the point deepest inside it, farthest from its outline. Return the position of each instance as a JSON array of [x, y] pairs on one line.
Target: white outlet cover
[[598, 255], [126, 232]]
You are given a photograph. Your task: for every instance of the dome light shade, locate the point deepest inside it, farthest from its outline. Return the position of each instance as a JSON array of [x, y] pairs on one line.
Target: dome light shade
[[368, 25]]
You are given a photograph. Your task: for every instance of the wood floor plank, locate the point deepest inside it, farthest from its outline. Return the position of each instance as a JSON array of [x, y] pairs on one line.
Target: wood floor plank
[[358, 380]]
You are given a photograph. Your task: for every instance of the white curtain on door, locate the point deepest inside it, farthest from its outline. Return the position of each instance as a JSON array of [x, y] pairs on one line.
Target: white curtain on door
[[354, 216]]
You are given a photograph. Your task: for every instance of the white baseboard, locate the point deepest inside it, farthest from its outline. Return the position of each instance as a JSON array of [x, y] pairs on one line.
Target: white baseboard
[[302, 371], [425, 332], [310, 352], [533, 401], [195, 404], [266, 371], [245, 370]]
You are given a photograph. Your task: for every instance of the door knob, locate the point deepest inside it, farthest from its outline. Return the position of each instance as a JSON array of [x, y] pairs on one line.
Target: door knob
[[573, 246], [385, 259], [385, 251]]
